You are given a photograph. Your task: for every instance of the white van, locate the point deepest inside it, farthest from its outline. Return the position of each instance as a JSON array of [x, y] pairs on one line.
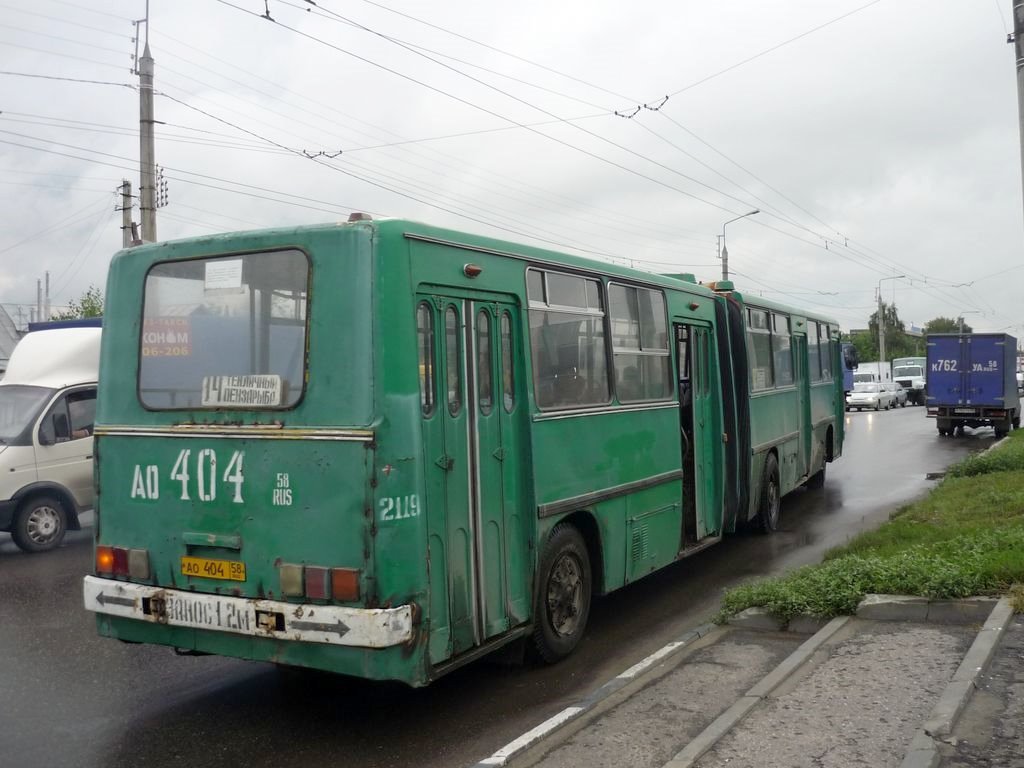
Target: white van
[[47, 408]]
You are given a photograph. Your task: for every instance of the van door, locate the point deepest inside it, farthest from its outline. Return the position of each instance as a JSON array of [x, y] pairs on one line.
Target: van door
[[64, 444], [472, 441]]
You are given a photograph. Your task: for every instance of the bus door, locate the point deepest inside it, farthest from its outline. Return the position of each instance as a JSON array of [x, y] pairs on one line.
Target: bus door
[[693, 355], [801, 377], [473, 443]]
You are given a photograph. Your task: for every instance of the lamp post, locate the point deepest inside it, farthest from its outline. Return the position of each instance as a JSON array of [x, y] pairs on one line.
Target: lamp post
[[966, 312], [881, 319], [724, 255]]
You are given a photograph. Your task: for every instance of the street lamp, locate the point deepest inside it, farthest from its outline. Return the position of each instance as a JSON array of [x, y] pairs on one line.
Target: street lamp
[[881, 319], [724, 255], [967, 312]]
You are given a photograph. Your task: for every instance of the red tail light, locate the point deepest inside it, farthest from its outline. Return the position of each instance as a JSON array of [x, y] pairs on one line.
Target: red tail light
[[119, 561]]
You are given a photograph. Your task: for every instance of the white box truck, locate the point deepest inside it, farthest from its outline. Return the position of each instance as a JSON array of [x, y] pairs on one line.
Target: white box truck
[[47, 409], [877, 372]]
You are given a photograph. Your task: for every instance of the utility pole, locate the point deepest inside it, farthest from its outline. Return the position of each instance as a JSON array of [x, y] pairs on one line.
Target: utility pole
[[881, 327], [147, 162], [126, 213], [1018, 48], [46, 298], [39, 299]]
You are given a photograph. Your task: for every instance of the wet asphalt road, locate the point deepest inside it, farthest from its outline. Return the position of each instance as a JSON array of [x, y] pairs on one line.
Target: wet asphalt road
[[70, 698]]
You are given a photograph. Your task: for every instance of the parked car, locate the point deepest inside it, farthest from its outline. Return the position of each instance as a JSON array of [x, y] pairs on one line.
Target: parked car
[[899, 394], [869, 394]]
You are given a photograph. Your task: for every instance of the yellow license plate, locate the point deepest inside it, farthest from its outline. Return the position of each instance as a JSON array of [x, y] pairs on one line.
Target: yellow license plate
[[213, 569]]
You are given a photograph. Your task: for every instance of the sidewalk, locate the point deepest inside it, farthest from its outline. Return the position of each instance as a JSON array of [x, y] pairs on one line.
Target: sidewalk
[[874, 690]]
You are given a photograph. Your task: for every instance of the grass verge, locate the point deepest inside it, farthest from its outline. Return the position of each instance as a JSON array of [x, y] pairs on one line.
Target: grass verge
[[965, 538]]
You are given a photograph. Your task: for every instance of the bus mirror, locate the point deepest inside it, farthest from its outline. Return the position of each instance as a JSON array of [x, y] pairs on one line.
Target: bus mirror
[[850, 358]]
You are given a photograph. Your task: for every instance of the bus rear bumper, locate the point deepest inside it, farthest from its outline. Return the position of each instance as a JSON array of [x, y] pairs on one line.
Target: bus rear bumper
[[331, 624]]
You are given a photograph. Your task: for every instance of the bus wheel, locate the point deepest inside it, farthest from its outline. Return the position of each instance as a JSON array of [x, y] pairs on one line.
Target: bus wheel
[[768, 506], [40, 524], [562, 604]]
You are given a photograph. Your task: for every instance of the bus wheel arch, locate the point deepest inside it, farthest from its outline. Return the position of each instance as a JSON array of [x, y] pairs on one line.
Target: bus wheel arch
[[769, 496], [564, 588], [817, 480]]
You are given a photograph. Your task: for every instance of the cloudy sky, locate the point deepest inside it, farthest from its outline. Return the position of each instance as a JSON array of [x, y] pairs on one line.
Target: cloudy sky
[[878, 139]]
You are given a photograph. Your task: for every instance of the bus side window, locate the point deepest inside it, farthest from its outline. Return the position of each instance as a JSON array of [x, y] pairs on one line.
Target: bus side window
[[683, 353], [454, 361], [425, 345], [507, 373], [485, 385]]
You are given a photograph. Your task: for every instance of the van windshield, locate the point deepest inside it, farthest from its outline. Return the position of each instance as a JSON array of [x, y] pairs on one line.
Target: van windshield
[[19, 407]]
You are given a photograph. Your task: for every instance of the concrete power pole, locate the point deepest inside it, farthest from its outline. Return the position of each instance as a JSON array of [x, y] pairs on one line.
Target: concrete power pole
[[46, 298], [126, 213], [881, 328], [147, 175], [1018, 49]]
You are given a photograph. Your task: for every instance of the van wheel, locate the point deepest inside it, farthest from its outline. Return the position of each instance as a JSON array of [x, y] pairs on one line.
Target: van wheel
[[562, 603], [40, 525], [770, 501]]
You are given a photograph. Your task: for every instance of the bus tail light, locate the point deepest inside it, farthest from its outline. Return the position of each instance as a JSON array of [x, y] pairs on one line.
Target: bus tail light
[[316, 582], [105, 560], [345, 584], [291, 580], [318, 585], [119, 561]]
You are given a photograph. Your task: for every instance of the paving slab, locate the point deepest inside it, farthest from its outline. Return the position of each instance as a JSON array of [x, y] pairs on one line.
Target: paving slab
[[990, 730], [654, 723], [861, 706]]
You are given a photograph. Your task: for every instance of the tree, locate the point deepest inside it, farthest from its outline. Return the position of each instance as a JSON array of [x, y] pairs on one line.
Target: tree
[[89, 305], [946, 325], [897, 343]]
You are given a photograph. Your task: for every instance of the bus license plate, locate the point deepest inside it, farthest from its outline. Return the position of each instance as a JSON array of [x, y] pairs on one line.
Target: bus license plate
[[213, 569]]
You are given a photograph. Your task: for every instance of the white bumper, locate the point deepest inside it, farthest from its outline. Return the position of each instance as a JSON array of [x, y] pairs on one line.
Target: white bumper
[[332, 624]]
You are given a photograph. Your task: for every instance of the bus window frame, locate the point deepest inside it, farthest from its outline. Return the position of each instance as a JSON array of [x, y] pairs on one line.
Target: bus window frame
[[542, 304], [640, 350], [306, 325]]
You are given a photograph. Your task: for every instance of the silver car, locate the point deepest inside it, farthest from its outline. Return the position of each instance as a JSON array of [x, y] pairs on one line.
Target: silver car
[[869, 394]]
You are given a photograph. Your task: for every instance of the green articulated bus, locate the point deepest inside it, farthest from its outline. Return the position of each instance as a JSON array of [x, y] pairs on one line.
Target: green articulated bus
[[384, 449]]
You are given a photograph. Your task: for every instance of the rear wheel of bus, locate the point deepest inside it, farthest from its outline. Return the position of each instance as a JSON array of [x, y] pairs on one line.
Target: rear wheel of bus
[[562, 604], [769, 502], [40, 525]]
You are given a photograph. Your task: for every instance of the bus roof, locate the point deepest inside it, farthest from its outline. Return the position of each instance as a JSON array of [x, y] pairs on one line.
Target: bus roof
[[235, 241]]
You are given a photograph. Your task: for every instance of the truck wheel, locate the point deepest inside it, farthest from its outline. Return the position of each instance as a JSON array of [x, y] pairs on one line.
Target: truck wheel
[[40, 524], [562, 603], [1016, 422], [770, 502]]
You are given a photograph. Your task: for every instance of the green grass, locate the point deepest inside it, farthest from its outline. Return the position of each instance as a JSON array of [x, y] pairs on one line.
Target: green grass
[[965, 538]]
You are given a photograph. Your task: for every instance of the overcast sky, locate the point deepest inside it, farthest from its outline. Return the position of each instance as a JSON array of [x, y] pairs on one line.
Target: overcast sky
[[877, 139]]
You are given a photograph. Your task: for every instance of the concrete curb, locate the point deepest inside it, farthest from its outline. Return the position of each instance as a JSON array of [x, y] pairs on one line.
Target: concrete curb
[[970, 610], [532, 737], [923, 751], [711, 735]]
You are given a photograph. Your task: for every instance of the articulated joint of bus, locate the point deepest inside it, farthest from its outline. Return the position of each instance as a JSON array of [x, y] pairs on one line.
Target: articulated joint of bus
[[331, 624]]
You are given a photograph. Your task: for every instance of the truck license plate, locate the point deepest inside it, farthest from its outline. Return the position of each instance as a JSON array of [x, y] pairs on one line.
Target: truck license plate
[[213, 569], [968, 411]]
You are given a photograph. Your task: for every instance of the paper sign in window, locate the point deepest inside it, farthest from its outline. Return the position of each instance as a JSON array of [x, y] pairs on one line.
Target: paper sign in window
[[254, 391], [223, 274]]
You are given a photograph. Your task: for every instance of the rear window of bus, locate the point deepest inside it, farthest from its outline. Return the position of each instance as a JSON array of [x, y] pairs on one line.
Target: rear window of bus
[[226, 332]]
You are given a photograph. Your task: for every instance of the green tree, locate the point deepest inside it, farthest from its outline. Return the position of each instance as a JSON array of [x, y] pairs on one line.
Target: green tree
[[897, 343], [946, 325], [90, 304]]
